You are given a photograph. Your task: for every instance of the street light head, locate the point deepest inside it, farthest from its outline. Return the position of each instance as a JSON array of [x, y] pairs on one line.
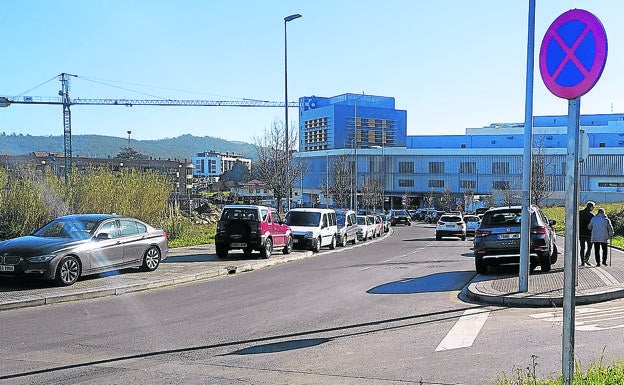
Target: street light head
[[291, 17]]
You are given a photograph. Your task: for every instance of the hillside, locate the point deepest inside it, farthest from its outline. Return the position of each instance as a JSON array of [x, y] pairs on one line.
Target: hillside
[[99, 146]]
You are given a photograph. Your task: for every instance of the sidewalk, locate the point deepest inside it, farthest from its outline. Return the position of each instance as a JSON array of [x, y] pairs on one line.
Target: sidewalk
[[183, 265], [595, 284]]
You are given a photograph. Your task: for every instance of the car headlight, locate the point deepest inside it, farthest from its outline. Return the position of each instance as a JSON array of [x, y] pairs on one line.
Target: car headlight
[[309, 234], [40, 258]]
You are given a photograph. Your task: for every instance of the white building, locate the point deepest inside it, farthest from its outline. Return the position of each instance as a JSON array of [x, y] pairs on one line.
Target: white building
[[212, 164]]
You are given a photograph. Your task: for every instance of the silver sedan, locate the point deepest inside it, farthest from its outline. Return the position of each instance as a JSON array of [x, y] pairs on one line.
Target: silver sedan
[[77, 245]]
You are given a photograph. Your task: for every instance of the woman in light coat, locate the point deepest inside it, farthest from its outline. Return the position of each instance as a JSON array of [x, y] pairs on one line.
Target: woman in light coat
[[601, 230]]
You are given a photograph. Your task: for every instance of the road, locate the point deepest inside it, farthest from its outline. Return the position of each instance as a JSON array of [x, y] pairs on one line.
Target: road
[[383, 312]]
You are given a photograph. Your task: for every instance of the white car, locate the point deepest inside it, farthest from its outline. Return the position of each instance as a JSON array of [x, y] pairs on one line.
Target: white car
[[313, 228], [472, 223], [450, 225], [365, 227]]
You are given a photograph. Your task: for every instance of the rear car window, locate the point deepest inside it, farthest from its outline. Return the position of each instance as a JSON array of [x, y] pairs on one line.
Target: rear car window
[[239, 213]]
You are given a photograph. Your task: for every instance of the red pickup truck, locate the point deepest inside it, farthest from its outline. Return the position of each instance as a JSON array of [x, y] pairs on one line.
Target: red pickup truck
[[249, 228]]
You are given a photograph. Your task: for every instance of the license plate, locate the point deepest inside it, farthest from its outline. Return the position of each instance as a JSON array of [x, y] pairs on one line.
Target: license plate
[[508, 236], [240, 244], [7, 268]]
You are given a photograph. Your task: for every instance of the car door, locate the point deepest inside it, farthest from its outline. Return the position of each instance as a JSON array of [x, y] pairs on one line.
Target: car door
[[132, 237], [109, 249]]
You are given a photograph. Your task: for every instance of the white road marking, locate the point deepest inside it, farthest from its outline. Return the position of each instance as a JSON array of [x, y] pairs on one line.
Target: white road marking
[[465, 330], [588, 319]]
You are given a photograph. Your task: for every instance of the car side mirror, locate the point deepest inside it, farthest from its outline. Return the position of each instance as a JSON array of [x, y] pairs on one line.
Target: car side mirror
[[103, 236]]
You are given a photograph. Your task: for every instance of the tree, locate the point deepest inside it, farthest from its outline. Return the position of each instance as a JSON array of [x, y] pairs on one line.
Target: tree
[[340, 179], [274, 167], [372, 193], [130, 153], [541, 186], [446, 199]]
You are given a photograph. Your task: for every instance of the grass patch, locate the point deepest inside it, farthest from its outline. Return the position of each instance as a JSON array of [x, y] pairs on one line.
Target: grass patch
[[598, 373]]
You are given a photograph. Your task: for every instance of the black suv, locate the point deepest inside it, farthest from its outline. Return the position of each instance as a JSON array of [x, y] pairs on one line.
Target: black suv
[[399, 216], [497, 240]]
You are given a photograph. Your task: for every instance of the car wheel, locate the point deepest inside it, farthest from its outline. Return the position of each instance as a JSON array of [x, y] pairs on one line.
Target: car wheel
[[480, 265], [221, 251], [343, 241], [553, 256], [332, 245], [463, 237], [289, 245], [409, 223], [67, 271], [438, 237], [151, 259], [267, 250], [317, 245]]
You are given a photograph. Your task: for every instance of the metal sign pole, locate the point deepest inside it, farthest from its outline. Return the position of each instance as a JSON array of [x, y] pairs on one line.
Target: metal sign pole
[[571, 230]]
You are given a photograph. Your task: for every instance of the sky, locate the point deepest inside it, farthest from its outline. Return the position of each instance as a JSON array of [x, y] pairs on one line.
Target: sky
[[451, 64]]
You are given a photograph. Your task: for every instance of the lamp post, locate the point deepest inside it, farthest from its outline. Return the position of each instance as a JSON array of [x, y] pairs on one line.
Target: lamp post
[[286, 145]]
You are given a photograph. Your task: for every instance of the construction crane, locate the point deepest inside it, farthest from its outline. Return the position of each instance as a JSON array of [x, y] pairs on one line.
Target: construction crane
[[66, 102]]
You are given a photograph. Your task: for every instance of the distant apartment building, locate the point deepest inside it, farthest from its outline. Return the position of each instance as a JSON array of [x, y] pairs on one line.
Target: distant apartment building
[[212, 164]]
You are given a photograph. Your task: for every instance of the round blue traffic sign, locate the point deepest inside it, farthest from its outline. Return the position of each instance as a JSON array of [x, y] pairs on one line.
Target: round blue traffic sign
[[573, 54]]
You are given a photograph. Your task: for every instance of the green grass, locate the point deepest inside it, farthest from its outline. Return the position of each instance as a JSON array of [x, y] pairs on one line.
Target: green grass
[[193, 235], [598, 373], [558, 214]]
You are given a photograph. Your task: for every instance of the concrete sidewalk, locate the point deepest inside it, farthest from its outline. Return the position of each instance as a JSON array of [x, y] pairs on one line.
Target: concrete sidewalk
[[183, 265], [595, 284]]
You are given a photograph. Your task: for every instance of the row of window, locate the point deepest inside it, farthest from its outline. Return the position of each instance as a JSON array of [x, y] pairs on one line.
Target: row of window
[[465, 184], [464, 167]]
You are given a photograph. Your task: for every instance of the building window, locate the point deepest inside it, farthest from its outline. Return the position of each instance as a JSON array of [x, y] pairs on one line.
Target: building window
[[406, 183], [611, 184], [500, 168], [436, 183], [436, 167], [468, 167], [500, 185], [468, 184], [406, 167]]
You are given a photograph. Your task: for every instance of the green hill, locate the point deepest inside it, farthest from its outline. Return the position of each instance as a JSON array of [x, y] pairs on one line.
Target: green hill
[[100, 146]]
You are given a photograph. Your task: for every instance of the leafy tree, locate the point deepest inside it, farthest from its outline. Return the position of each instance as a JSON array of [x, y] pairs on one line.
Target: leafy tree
[[130, 153]]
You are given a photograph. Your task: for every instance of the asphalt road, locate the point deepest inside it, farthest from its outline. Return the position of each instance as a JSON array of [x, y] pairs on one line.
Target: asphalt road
[[383, 312]]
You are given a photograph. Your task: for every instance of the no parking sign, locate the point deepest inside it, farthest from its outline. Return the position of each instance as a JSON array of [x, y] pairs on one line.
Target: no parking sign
[[573, 54]]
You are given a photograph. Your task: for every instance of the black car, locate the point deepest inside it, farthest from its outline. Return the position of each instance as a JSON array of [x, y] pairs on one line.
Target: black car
[[400, 217], [497, 240]]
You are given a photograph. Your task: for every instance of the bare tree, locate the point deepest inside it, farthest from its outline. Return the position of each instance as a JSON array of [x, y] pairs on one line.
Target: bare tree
[[371, 193], [541, 185], [446, 199], [277, 169], [339, 180]]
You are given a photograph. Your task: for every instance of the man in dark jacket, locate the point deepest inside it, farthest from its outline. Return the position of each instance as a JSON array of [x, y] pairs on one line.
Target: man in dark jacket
[[585, 216]]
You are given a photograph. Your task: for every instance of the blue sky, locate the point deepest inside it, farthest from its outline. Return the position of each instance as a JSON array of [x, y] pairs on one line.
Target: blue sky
[[451, 64]]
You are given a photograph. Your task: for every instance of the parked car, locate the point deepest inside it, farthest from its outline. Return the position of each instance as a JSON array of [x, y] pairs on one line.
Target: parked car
[[399, 217], [73, 246], [347, 227], [313, 228], [451, 225], [472, 223], [377, 226], [249, 228], [497, 240], [365, 228]]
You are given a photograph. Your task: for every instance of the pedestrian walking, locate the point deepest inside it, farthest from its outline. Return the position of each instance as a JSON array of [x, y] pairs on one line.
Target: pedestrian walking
[[601, 231], [585, 216]]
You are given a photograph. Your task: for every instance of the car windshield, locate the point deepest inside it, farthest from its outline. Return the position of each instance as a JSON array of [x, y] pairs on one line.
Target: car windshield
[[471, 219], [340, 218], [303, 218], [76, 228], [361, 220], [503, 218], [400, 212], [450, 218]]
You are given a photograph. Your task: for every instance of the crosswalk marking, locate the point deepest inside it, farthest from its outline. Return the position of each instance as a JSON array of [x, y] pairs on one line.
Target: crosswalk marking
[[588, 318], [465, 330]]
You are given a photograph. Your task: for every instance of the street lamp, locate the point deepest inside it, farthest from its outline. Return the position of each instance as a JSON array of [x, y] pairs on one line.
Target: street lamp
[[286, 20]]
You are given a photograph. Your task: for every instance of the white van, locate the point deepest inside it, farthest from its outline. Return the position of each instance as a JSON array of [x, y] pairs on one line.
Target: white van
[[313, 228]]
